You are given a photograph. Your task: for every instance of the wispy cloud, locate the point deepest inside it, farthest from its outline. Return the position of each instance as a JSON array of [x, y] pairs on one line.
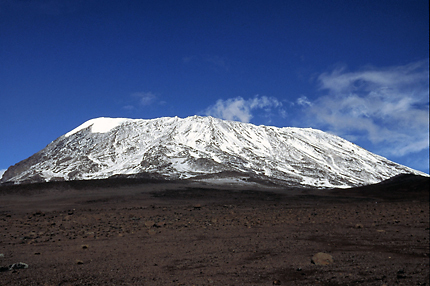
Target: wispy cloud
[[389, 107], [138, 100], [303, 101], [242, 109], [145, 98]]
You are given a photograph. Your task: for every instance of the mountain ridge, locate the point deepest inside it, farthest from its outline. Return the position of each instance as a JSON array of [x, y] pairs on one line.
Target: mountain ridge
[[192, 147]]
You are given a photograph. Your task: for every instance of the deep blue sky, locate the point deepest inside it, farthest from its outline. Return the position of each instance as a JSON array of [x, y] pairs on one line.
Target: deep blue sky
[[356, 68]]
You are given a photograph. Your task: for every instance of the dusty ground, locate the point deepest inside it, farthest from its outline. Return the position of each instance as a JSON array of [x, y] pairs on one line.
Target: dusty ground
[[182, 234]]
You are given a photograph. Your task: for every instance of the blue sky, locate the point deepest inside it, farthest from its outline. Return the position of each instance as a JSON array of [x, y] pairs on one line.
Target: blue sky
[[355, 68]]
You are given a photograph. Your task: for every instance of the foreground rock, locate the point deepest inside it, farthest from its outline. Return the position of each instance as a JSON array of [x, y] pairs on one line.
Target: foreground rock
[[322, 258], [14, 266]]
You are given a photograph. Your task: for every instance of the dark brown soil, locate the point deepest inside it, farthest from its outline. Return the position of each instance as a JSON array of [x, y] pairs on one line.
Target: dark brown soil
[[178, 233]]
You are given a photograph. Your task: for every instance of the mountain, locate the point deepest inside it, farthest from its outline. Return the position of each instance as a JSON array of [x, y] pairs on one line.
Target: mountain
[[203, 148]]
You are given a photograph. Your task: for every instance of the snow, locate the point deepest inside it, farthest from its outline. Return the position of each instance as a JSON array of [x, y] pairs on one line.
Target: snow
[[2, 172], [174, 147], [227, 181], [99, 125], [321, 183]]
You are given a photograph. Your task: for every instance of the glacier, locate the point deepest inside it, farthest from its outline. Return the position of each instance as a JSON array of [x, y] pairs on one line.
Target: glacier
[[207, 149]]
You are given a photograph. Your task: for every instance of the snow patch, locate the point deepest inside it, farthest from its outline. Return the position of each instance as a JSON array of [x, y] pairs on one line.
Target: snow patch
[[227, 181], [2, 172], [98, 125]]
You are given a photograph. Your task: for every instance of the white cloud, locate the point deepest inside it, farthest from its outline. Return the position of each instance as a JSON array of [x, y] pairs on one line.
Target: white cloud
[[241, 109], [303, 101], [388, 106]]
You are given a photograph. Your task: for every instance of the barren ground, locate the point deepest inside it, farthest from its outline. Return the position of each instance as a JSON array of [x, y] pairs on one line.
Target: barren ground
[[189, 234]]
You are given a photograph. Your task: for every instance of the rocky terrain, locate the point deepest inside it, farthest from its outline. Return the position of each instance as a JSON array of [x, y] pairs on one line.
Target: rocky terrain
[[147, 232]]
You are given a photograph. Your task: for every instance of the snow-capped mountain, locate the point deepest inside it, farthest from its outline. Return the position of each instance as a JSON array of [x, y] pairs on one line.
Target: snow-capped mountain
[[195, 147]]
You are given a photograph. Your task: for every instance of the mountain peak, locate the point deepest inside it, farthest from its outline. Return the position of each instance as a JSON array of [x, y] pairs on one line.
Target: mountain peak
[[203, 148]]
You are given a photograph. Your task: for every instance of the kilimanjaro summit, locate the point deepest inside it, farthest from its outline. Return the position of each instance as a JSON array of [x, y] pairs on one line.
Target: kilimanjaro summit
[[204, 149]]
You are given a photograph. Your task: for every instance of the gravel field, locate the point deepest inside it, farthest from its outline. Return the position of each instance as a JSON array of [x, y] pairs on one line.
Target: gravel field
[[182, 233]]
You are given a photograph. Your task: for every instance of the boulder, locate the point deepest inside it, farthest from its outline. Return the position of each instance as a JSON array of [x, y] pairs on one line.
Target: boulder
[[322, 258]]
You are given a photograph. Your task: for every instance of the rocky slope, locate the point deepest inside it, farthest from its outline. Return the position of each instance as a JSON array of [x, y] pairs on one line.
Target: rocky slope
[[203, 148]]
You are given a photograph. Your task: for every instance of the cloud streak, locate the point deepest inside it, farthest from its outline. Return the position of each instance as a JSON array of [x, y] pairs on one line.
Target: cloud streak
[[212, 62], [241, 109], [389, 106], [140, 100], [145, 98]]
